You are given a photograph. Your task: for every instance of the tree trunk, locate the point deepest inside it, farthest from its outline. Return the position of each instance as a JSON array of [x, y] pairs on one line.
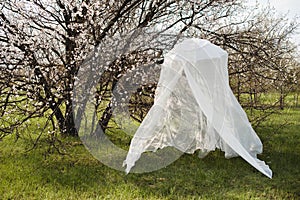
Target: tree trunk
[[281, 100], [239, 88], [70, 128], [106, 116]]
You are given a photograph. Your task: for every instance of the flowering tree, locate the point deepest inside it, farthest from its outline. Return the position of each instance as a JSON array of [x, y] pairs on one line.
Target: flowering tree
[[44, 43]]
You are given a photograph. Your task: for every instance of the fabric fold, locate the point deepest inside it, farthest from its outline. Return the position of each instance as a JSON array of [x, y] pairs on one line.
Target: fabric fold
[[195, 109]]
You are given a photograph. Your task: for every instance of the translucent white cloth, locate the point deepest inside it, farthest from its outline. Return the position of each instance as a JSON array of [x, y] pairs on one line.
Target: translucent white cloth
[[194, 108]]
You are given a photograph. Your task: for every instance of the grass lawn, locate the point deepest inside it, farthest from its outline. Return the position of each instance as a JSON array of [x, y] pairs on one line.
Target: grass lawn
[[77, 175]]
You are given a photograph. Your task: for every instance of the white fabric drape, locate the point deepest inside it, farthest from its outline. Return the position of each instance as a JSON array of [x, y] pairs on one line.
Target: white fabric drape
[[194, 108]]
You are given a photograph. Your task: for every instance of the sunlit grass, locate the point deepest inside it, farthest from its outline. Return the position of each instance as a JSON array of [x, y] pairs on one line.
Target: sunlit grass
[[77, 175]]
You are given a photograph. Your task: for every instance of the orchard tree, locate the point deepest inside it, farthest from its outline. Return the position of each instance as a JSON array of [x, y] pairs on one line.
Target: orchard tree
[[262, 58], [44, 44]]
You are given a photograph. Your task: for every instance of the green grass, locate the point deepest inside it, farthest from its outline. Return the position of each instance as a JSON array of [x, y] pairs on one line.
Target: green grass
[[77, 175]]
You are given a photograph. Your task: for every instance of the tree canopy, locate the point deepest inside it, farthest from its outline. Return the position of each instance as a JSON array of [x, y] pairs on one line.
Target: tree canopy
[[44, 44]]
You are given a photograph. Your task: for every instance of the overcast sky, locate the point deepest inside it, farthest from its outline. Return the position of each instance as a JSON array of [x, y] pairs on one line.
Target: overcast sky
[[284, 6]]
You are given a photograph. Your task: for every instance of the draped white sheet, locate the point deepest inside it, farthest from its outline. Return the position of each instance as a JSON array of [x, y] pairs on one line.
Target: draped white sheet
[[194, 108]]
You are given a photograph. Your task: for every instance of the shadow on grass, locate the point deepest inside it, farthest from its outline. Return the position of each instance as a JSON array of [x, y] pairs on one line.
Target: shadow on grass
[[213, 177], [79, 175]]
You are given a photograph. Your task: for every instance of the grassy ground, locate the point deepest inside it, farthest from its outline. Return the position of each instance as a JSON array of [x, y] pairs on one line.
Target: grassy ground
[[77, 175]]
